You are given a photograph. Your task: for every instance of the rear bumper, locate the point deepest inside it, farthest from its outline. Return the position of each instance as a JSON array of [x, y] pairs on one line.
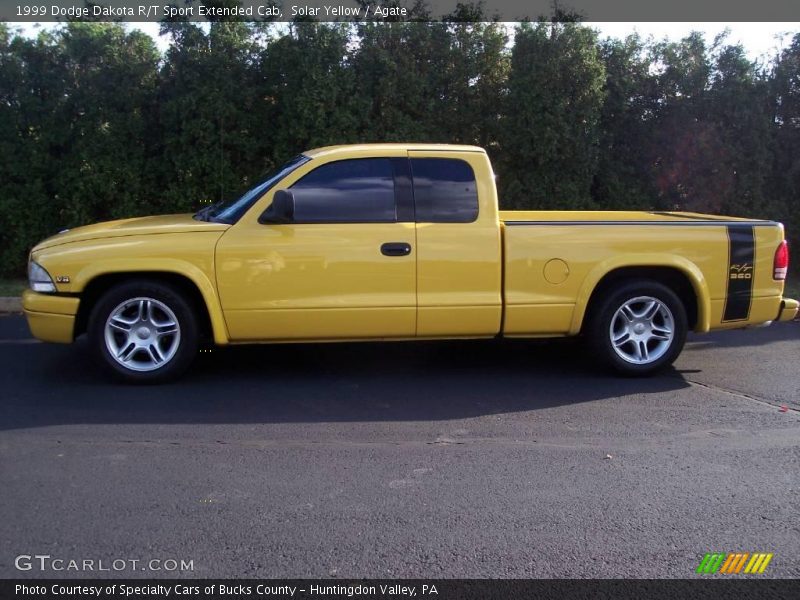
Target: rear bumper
[[50, 318], [788, 310]]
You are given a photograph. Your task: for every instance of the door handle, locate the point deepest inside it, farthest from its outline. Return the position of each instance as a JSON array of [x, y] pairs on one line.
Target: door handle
[[395, 249]]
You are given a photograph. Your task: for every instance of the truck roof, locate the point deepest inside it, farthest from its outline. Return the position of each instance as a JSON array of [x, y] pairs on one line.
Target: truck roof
[[398, 146]]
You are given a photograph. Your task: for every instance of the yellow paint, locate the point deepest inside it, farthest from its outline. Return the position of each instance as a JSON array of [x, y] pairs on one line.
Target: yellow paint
[[763, 565], [459, 265], [50, 318], [328, 282], [753, 560], [757, 565], [789, 311], [179, 249], [51, 327], [48, 303]]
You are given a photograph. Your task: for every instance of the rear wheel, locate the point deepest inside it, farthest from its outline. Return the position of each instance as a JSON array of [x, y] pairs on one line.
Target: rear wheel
[[638, 329], [143, 332]]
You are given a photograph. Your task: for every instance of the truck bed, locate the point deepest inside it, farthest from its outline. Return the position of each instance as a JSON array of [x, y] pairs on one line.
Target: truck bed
[[553, 261]]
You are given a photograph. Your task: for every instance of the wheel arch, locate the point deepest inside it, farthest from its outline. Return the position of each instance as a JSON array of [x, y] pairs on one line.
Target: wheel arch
[[197, 289], [680, 275]]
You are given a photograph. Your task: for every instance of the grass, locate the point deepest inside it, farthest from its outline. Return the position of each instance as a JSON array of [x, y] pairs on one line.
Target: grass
[[12, 287]]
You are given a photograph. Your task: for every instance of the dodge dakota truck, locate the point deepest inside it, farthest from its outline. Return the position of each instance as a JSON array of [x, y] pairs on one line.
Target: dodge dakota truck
[[400, 242]]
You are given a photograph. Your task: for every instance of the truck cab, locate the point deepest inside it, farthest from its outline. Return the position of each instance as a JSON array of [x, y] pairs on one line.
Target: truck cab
[[400, 243]]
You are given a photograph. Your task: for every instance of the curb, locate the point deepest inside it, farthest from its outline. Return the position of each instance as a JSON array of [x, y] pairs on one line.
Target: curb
[[10, 304]]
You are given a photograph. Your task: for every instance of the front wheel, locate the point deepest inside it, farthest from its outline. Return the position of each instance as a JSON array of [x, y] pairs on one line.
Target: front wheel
[[638, 329], [143, 332]]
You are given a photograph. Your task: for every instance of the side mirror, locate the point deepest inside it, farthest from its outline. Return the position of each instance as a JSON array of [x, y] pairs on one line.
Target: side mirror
[[281, 210]]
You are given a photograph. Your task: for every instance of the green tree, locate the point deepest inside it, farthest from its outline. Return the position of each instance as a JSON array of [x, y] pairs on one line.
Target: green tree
[[784, 187], [106, 144], [549, 140], [475, 77], [624, 175], [74, 114], [432, 81], [211, 139], [96, 124], [307, 84], [739, 108], [399, 69], [685, 149]]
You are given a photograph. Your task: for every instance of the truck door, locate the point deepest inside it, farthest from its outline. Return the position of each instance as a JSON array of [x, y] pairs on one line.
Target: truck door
[[459, 260], [346, 268]]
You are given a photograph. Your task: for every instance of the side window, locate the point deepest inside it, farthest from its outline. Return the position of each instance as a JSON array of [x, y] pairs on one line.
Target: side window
[[347, 191], [444, 190]]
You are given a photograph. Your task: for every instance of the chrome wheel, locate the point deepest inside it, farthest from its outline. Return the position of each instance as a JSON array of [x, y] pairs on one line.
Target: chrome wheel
[[142, 334], [642, 330]]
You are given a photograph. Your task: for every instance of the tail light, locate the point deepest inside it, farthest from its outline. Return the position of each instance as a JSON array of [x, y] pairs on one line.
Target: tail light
[[781, 265]]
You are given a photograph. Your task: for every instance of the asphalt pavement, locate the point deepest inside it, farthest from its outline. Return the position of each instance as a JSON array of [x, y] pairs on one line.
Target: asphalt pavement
[[429, 459]]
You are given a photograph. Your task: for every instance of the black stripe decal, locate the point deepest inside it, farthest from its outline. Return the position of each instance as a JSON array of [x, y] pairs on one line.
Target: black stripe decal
[[741, 270]]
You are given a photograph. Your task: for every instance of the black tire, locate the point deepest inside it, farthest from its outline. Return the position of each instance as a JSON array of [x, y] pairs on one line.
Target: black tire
[[600, 334], [185, 339]]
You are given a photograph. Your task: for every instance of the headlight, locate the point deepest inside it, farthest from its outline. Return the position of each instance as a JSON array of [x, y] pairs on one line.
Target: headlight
[[39, 279]]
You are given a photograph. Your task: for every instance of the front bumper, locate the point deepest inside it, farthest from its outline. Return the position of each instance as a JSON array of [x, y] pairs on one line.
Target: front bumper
[[51, 318], [788, 311]]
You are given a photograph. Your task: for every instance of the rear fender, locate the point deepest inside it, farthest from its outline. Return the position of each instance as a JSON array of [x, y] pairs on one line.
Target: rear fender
[[686, 267]]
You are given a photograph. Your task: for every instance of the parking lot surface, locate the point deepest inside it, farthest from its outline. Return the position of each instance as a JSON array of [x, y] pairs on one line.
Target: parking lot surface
[[430, 459]]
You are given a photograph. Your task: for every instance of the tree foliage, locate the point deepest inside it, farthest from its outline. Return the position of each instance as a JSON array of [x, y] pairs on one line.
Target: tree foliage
[[550, 133], [96, 123]]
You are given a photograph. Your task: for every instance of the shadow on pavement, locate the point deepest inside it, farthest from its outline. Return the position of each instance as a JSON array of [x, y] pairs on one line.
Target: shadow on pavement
[[760, 336], [54, 385]]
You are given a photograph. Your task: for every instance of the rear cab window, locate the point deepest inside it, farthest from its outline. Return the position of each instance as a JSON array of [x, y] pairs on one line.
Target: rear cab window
[[445, 190]]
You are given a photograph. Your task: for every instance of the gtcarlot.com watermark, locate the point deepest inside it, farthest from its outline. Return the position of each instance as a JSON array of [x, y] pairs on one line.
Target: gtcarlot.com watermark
[[47, 563]]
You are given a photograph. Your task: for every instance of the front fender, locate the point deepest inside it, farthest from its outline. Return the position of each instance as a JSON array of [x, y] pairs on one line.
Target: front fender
[[190, 255], [173, 266]]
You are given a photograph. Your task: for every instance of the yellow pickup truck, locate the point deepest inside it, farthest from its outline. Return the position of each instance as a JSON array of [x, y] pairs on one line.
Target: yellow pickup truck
[[400, 242]]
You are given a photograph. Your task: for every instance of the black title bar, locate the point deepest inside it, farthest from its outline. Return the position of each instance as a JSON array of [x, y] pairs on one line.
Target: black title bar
[[435, 589], [395, 10]]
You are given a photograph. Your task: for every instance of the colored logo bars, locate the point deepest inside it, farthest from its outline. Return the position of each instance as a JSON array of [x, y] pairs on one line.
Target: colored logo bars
[[733, 563]]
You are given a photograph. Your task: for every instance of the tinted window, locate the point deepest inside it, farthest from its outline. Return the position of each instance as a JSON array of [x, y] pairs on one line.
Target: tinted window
[[347, 191], [444, 190], [232, 211]]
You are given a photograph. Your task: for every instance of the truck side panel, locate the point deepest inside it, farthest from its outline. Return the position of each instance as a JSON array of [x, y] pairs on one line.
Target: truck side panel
[[552, 269]]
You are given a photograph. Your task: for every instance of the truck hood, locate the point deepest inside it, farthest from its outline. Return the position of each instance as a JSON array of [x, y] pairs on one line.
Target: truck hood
[[124, 227]]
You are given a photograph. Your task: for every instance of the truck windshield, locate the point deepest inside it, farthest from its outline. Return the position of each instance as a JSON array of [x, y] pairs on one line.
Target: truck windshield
[[230, 211]]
